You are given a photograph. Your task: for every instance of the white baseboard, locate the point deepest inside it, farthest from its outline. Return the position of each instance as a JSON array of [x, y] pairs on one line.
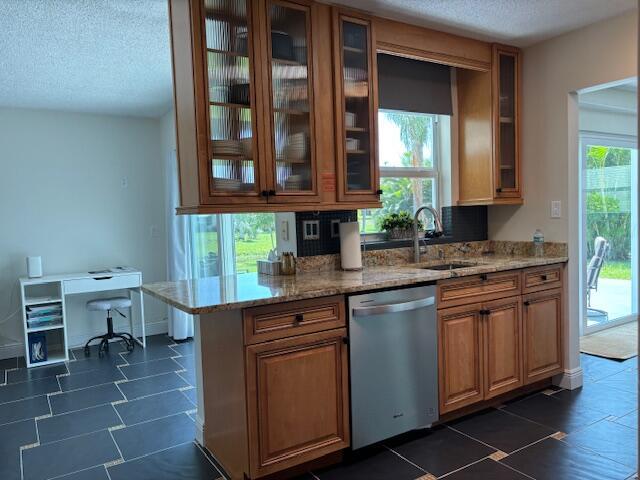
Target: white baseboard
[[199, 430], [570, 379], [79, 339]]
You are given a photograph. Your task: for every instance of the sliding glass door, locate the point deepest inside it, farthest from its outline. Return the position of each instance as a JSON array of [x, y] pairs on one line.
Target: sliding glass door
[[610, 230]]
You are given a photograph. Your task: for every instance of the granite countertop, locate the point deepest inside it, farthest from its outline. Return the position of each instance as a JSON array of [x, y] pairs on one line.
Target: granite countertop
[[212, 294]]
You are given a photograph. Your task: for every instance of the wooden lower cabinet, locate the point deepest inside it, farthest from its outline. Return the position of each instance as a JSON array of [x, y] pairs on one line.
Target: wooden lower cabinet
[[297, 400], [480, 352], [460, 365], [542, 319], [502, 342]]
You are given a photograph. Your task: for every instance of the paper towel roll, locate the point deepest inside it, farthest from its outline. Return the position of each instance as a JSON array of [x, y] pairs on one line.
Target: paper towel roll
[[350, 255]]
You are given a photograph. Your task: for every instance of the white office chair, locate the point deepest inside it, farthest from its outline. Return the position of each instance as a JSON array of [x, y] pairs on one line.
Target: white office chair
[[108, 304]]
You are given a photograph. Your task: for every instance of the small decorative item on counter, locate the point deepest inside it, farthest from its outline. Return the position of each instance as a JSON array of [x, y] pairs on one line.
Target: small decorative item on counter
[[288, 264], [538, 243], [272, 265], [399, 226]]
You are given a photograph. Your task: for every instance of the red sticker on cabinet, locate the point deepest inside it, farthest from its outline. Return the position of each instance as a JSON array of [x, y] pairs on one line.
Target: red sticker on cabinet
[[328, 182]]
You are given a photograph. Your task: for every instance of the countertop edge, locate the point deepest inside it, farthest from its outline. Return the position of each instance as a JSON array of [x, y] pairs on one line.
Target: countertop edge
[[381, 284]]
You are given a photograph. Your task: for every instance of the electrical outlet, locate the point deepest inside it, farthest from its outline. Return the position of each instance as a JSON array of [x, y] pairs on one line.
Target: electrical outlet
[[335, 228], [154, 232], [124, 183], [284, 230], [311, 230], [556, 209]]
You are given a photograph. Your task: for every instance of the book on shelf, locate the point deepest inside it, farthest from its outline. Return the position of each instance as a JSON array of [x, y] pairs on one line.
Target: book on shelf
[[45, 321], [35, 312]]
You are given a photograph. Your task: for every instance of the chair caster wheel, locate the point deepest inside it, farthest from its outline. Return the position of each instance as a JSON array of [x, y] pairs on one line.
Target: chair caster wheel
[[100, 353], [130, 346]]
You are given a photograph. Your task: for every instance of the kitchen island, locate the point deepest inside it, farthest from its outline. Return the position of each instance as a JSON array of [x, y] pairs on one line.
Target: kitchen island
[[272, 351]]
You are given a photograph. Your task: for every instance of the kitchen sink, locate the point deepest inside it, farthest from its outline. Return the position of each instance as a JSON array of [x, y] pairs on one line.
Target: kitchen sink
[[449, 266]]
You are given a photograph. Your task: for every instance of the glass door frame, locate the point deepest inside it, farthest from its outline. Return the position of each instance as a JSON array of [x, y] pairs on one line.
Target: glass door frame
[[615, 141], [311, 195]]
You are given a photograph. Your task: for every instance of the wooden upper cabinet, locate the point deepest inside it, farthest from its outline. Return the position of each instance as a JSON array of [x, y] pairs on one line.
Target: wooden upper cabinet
[[356, 91], [506, 118], [230, 165], [289, 88], [489, 131]]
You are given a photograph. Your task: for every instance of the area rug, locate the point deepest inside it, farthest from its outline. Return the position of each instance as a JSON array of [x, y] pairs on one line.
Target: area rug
[[619, 343]]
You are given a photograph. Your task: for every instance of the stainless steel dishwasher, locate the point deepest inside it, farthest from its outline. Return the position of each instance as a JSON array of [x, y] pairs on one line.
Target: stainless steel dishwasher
[[393, 363]]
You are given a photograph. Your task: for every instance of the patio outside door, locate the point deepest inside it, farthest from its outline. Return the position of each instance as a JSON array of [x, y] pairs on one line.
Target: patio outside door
[[610, 211]]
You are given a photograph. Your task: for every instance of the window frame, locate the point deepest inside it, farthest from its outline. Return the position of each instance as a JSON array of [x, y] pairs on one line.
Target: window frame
[[432, 172]]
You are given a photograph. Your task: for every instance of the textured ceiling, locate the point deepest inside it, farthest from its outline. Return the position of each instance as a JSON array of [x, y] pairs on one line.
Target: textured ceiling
[[112, 56], [102, 56], [517, 22]]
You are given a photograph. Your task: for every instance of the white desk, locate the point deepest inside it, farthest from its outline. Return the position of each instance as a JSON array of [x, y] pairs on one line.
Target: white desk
[[52, 290]]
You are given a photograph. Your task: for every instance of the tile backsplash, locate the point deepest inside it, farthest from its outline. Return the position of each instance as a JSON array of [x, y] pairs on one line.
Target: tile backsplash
[[460, 224]]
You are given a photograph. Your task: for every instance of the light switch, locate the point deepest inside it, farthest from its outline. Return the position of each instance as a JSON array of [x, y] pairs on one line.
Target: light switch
[[284, 230], [556, 209]]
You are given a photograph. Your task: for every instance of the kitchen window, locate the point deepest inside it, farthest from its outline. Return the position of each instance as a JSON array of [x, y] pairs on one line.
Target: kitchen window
[[409, 153], [414, 146]]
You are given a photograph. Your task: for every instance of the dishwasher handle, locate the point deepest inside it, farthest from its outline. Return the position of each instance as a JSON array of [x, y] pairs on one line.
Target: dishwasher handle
[[393, 307]]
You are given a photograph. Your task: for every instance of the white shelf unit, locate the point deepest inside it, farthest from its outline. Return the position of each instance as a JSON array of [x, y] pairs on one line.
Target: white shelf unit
[[41, 293]]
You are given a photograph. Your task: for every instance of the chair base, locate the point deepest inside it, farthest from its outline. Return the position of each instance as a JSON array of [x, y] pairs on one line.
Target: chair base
[[127, 338]]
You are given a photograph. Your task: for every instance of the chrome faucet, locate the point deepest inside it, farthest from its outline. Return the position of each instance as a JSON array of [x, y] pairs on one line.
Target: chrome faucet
[[437, 232]]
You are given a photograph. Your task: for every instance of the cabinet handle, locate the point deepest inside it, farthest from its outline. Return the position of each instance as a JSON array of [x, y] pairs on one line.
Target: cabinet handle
[[345, 340], [499, 190], [527, 303], [378, 192], [272, 193], [544, 278], [299, 317], [485, 312], [483, 276], [264, 193]]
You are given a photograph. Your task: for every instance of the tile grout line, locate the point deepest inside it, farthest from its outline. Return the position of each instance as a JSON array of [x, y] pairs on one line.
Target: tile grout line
[[405, 459], [598, 454], [474, 439]]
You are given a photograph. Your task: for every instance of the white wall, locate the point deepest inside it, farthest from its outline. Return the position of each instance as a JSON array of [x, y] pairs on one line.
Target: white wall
[[611, 111], [61, 196], [552, 71]]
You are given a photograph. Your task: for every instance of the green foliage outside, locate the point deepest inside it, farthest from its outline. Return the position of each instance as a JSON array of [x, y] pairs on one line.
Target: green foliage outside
[[402, 194], [616, 270], [605, 217]]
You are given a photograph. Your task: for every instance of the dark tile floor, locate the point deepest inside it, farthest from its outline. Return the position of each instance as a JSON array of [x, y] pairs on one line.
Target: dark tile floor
[[124, 416], [131, 417]]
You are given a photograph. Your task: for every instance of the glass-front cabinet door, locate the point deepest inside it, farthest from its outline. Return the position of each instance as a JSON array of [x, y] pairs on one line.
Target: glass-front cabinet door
[[233, 164], [356, 98], [506, 121], [290, 141]]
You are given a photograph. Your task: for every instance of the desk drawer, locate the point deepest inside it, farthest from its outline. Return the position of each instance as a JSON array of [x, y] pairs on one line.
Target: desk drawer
[[270, 322], [102, 283], [478, 288], [537, 279]]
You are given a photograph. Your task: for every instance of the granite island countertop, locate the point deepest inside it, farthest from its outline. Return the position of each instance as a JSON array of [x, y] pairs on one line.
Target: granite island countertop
[[212, 294]]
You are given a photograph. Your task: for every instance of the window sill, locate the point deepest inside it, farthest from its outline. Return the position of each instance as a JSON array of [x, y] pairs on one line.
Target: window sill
[[386, 244]]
